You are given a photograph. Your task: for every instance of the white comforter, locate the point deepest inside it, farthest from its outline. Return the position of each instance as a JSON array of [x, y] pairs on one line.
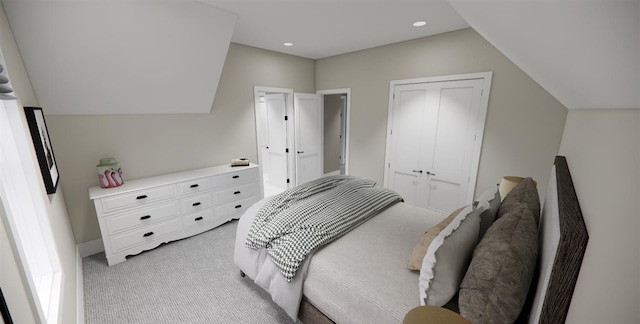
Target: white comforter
[[257, 265]]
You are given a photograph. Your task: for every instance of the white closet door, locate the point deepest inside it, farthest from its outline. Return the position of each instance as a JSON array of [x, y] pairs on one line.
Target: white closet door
[[277, 140], [308, 112], [432, 140], [454, 139], [407, 141]]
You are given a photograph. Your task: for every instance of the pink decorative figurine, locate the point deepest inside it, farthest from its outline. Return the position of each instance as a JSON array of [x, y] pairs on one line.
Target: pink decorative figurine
[[109, 173]]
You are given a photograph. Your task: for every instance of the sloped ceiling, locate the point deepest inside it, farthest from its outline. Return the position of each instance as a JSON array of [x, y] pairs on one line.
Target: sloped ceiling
[[584, 53], [121, 57], [136, 57], [323, 28]]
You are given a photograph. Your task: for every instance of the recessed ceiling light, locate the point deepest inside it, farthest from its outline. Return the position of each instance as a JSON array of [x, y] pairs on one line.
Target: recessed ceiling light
[[419, 23], [287, 44]]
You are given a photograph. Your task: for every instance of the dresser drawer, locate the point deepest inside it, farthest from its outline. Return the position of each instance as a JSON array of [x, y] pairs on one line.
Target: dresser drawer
[[196, 219], [240, 176], [236, 207], [142, 217], [196, 203], [234, 193], [145, 234], [137, 198], [195, 185]]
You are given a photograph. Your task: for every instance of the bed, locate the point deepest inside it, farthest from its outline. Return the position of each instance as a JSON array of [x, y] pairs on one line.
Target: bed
[[362, 276]]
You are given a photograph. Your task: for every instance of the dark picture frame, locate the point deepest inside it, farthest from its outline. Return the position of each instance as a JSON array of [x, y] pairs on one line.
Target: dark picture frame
[[43, 147], [4, 310]]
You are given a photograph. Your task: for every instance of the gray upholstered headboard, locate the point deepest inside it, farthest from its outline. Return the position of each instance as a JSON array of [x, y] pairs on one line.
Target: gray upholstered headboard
[[563, 238]]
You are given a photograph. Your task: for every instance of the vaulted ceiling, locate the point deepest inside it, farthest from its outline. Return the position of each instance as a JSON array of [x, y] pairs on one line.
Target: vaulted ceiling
[[123, 57]]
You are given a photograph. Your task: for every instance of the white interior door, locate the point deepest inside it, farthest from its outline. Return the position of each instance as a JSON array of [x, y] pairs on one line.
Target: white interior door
[[458, 111], [309, 116], [434, 141], [406, 165], [276, 155], [262, 133]]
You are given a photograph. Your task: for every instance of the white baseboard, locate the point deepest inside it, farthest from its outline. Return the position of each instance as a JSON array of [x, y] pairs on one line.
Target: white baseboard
[[84, 250], [90, 248], [336, 172], [79, 288]]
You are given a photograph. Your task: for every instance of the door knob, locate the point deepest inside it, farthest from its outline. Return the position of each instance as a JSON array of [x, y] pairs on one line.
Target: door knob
[[418, 171], [300, 152], [429, 173]]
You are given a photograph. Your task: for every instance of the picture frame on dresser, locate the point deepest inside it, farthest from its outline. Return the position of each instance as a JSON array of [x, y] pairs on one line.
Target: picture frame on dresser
[[43, 147]]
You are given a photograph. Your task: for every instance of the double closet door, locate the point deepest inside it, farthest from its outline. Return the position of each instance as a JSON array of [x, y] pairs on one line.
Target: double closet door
[[434, 141]]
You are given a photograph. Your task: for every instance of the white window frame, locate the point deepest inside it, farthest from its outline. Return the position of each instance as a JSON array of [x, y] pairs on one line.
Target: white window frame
[[26, 215]]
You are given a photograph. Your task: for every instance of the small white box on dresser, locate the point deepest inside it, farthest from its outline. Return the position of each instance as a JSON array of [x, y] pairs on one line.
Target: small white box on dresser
[[144, 213]]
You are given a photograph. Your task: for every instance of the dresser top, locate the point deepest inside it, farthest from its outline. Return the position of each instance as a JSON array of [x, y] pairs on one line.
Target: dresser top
[[96, 192]]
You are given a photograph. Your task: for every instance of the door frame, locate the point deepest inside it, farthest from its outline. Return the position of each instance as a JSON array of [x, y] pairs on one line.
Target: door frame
[[477, 149], [347, 92]]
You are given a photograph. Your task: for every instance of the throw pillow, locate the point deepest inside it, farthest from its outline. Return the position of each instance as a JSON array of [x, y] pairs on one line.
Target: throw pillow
[[524, 193], [447, 258], [490, 200], [417, 255], [495, 287]]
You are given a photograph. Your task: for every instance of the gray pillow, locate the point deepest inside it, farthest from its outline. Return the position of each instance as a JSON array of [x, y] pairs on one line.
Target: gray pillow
[[491, 199], [497, 281], [523, 193]]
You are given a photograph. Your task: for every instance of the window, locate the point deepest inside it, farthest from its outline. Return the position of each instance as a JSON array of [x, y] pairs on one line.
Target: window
[[27, 219]]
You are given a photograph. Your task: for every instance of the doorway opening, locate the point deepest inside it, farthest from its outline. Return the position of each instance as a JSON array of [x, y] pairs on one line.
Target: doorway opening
[[295, 145], [337, 104]]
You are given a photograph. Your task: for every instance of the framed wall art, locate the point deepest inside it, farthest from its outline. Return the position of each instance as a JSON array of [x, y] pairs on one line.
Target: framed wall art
[[43, 147], [4, 310]]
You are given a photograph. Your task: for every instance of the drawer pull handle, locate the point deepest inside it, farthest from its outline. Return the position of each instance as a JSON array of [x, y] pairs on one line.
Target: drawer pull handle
[[198, 218], [237, 192], [147, 234], [238, 206], [194, 186], [145, 217], [141, 197], [195, 204], [236, 176]]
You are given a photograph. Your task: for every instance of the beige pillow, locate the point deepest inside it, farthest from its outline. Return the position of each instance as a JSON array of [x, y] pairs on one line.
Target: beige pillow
[[417, 255]]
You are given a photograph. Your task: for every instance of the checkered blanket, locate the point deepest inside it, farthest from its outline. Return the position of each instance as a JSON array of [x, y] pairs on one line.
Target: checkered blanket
[[295, 222]]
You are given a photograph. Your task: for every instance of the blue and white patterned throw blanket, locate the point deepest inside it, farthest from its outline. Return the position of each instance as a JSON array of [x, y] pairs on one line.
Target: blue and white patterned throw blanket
[[293, 223]]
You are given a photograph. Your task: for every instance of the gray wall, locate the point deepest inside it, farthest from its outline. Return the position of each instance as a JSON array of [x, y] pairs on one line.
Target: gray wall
[[148, 145], [524, 123], [14, 289], [603, 152], [332, 105]]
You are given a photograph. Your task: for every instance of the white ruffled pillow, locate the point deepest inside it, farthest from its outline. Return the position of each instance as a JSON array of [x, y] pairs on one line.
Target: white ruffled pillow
[[448, 257]]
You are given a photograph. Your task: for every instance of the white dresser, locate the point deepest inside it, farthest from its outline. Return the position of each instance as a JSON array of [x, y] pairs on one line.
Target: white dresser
[[144, 213]]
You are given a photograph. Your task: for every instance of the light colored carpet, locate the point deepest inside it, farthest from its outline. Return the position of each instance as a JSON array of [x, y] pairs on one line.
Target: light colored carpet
[[193, 280]]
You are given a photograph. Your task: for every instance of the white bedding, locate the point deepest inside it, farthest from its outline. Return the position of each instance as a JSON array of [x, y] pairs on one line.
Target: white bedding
[[257, 265], [361, 277]]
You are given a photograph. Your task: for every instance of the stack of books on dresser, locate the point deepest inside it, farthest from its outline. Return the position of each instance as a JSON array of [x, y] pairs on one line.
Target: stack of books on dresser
[[239, 162]]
